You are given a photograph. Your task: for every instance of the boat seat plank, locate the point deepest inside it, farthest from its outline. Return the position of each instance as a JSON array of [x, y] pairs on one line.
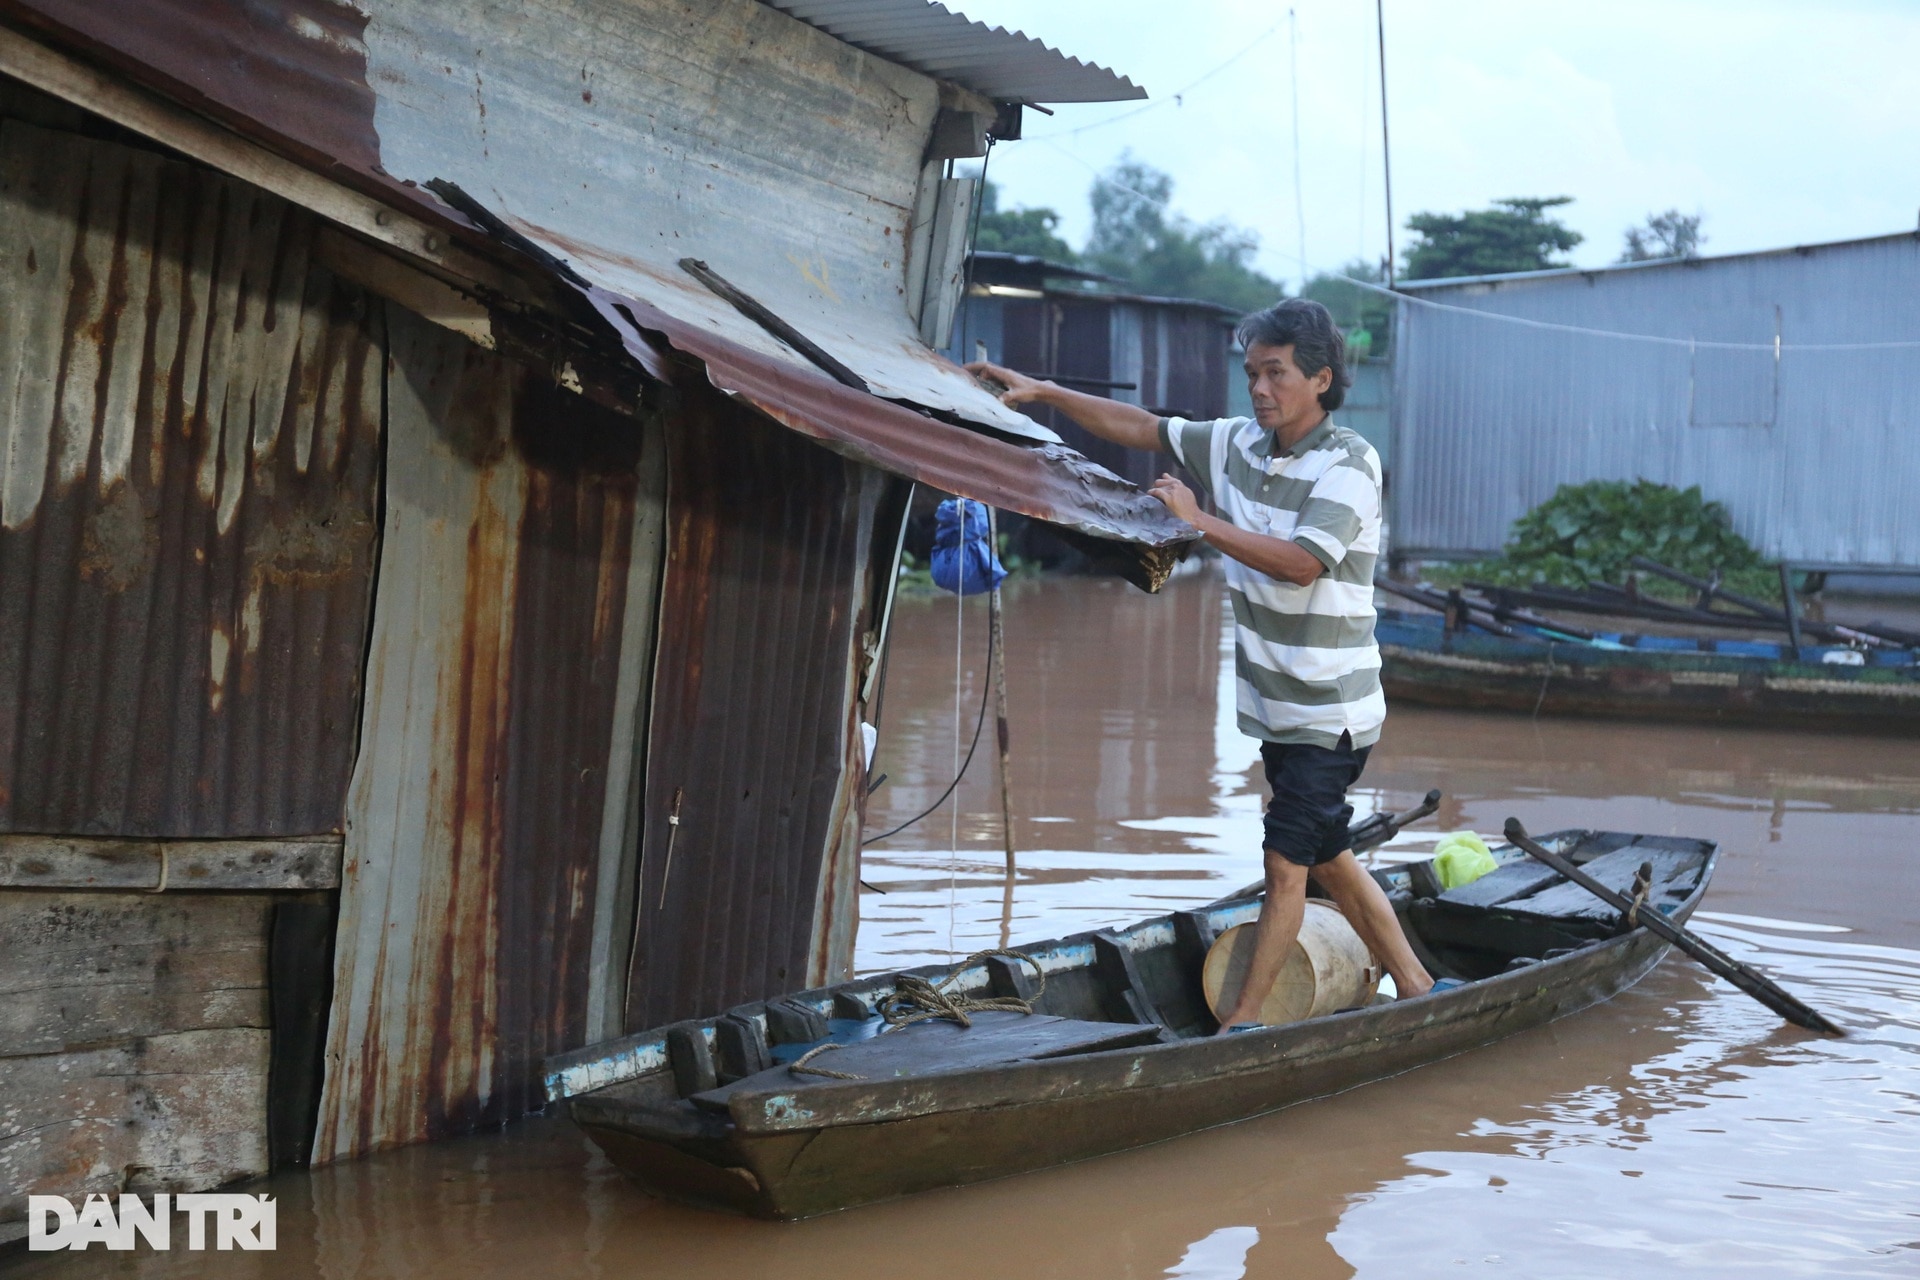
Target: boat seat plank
[[1673, 869], [1514, 880], [938, 1045]]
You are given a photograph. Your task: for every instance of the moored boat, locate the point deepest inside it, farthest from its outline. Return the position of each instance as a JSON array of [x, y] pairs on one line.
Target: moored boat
[[811, 1103], [1669, 673]]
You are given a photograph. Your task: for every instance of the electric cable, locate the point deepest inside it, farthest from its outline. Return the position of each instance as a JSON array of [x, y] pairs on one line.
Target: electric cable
[[1174, 97], [986, 690], [1373, 286]]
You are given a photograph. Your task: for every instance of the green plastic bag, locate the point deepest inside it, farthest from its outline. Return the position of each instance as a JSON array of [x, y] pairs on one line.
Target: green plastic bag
[[1461, 858]]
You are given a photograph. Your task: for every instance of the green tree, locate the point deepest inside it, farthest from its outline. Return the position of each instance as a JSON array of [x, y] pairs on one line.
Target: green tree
[[1672, 234], [1366, 315], [1034, 231], [1514, 235], [1137, 238]]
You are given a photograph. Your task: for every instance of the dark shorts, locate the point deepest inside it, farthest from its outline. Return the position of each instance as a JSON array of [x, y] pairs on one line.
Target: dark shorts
[[1307, 819]]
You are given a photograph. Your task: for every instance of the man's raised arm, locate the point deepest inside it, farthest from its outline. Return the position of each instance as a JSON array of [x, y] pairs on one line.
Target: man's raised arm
[[1124, 424]]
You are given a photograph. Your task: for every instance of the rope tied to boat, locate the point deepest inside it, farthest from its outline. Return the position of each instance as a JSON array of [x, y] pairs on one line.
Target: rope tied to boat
[[914, 999], [799, 1065]]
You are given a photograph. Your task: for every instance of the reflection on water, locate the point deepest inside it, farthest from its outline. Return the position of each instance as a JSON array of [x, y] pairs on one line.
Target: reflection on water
[[1678, 1130]]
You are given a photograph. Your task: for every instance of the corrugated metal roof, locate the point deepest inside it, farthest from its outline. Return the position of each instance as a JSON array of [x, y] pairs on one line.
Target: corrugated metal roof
[[1811, 451], [991, 265], [1007, 66], [1655, 264], [1051, 483]]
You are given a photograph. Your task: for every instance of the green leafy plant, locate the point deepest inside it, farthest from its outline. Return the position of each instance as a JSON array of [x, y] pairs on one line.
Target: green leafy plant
[[1591, 532]]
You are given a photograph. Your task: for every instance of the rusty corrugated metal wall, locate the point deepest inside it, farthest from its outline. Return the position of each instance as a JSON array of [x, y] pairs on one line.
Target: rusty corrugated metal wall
[[490, 754], [190, 419], [754, 733]]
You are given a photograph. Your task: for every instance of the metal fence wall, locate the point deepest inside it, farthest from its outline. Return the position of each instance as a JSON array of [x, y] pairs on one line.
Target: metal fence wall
[[1812, 452]]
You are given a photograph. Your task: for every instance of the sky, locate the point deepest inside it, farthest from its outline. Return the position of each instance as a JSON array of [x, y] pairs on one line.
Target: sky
[[1779, 124]]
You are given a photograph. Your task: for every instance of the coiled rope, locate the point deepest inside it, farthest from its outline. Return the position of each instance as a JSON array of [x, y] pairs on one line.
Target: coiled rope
[[914, 999]]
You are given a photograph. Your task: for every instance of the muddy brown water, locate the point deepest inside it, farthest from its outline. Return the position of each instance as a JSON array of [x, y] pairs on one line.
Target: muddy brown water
[[1678, 1130]]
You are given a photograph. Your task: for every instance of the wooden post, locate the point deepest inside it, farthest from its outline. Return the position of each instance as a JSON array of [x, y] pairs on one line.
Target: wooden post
[[1790, 601], [997, 639]]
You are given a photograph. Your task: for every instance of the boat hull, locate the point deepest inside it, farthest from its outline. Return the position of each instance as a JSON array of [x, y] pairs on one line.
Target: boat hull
[[856, 1144], [1493, 673]]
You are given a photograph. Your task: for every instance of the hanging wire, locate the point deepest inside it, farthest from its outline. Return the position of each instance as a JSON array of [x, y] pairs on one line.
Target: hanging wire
[[1299, 189], [959, 652], [1174, 97], [979, 720], [1307, 269]]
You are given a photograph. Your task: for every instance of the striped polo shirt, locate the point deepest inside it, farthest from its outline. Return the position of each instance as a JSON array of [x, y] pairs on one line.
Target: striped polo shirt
[[1308, 667]]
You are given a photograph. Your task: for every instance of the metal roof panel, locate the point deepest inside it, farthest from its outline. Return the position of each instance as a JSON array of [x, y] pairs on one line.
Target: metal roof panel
[[1007, 66]]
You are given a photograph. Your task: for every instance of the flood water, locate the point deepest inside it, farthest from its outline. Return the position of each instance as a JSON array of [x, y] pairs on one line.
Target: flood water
[[1678, 1130]]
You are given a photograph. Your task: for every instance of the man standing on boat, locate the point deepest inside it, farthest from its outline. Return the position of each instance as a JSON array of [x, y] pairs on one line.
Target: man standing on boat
[[1300, 530]]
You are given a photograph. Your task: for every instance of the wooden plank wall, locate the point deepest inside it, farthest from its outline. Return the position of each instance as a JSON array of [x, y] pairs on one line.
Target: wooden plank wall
[[136, 1028]]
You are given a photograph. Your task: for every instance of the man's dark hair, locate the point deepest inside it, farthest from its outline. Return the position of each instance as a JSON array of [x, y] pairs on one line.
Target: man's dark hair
[[1317, 342]]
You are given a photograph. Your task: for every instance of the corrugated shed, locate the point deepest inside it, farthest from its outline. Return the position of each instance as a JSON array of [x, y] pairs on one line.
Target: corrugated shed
[[1173, 350], [1184, 362], [610, 135], [1007, 66], [753, 741], [1811, 452], [490, 758], [191, 424]]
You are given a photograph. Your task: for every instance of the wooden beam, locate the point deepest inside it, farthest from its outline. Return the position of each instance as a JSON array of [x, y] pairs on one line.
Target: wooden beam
[[425, 295], [168, 866]]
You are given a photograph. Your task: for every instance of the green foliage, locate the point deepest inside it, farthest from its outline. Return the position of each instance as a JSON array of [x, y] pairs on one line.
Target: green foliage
[[1366, 316], [1591, 532], [1155, 251], [1034, 231], [1672, 234], [1514, 235]]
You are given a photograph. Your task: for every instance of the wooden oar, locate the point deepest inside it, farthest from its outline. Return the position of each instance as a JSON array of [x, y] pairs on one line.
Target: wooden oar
[[1760, 988]]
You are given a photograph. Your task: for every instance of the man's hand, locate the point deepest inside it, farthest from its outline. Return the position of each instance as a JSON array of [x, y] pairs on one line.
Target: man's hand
[[1124, 424], [1276, 557], [1177, 497], [1020, 389]]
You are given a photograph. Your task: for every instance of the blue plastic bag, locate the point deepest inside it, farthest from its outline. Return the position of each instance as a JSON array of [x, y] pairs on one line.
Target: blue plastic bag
[[963, 559]]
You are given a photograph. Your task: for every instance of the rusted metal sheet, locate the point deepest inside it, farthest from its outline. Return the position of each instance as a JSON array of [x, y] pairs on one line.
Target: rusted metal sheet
[[476, 814], [1051, 483], [191, 422], [804, 199], [754, 739], [293, 71]]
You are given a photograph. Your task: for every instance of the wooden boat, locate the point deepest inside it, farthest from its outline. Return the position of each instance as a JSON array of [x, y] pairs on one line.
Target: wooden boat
[[1118, 1053], [1683, 674]]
